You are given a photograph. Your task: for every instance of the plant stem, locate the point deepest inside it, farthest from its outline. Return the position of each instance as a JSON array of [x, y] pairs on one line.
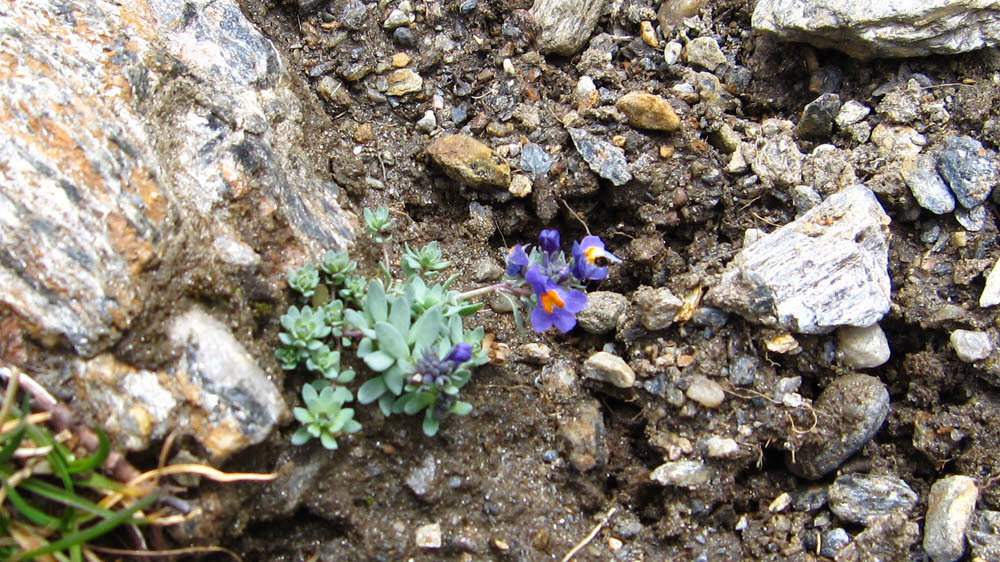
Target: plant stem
[[503, 287]]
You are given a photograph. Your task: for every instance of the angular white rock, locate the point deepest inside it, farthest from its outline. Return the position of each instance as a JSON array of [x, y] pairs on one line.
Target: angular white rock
[[829, 268], [991, 292], [897, 28]]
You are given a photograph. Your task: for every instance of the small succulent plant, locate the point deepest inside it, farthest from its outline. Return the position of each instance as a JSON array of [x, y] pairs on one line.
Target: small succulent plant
[[324, 416], [428, 260], [304, 280], [337, 266], [379, 223]]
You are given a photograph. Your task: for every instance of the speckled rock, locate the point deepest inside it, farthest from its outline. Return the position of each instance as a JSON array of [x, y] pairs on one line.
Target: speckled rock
[[610, 368], [704, 52], [656, 307], [565, 24], [850, 411], [949, 511], [860, 498], [970, 345], [826, 269], [469, 161], [904, 28], [775, 158], [88, 202], [862, 347], [984, 535], [648, 111], [605, 311], [582, 430], [817, 118], [403, 81]]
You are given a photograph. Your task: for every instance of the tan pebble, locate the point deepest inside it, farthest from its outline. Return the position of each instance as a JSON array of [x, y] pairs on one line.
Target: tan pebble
[[399, 60], [467, 160], [648, 34], [648, 111], [618, 140], [403, 81], [501, 545], [706, 392], [666, 151], [363, 133], [780, 503], [615, 544], [520, 186], [782, 343], [497, 129], [960, 238], [685, 360]]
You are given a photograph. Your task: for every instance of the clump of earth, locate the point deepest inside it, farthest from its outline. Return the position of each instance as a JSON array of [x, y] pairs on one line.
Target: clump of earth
[[693, 450]]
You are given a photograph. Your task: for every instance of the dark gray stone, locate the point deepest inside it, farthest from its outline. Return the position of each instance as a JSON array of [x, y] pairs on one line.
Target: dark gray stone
[[929, 189], [969, 169], [817, 118], [353, 15], [834, 541], [535, 160]]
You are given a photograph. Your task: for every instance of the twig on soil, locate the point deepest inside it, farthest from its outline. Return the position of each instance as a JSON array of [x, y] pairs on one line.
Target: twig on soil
[[575, 215], [590, 536]]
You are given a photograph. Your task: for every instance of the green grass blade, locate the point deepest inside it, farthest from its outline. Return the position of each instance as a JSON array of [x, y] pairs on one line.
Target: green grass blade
[[95, 460]]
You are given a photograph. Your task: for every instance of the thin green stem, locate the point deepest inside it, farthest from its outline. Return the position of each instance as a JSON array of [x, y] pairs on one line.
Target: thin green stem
[[503, 287]]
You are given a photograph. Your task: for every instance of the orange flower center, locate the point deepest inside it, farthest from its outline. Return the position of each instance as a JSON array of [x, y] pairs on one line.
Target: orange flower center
[[551, 299], [592, 253]]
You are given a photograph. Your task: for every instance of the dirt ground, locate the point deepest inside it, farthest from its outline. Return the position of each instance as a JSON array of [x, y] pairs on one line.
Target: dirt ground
[[504, 482]]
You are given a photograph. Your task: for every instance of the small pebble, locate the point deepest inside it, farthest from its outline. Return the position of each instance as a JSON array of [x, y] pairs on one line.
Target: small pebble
[[428, 122], [949, 510], [604, 366], [969, 170], [404, 37], [686, 474], [469, 161], [862, 348], [672, 52], [971, 346], [722, 447], [604, 312], [991, 292], [397, 18], [428, 536], [537, 353], [604, 158], [706, 392], [705, 52], [648, 111], [928, 188], [520, 186], [817, 118], [834, 541], [403, 81], [399, 60], [780, 503], [656, 306], [648, 34], [973, 219], [861, 498], [850, 113], [743, 370], [550, 456]]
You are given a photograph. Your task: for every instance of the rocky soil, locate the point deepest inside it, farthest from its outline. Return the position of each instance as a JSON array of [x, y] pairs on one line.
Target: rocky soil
[[797, 358]]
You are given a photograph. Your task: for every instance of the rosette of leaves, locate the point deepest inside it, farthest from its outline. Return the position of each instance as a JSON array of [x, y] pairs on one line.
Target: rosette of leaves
[[428, 260], [337, 266], [327, 363], [324, 416], [378, 223], [305, 330], [425, 296], [304, 280], [396, 335]]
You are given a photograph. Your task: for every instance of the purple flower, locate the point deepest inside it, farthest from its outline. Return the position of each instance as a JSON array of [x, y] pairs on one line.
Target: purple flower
[[517, 261], [587, 257], [461, 353], [556, 306], [549, 241]]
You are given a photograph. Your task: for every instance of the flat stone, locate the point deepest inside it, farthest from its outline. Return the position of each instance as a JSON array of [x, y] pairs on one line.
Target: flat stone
[[905, 28], [565, 25], [706, 392], [605, 311], [648, 111], [969, 169], [928, 188], [860, 498], [862, 347], [403, 81], [604, 158], [850, 411], [721, 447], [971, 346], [949, 511], [828, 268], [817, 118], [991, 292], [705, 52], [536, 353], [582, 430], [684, 474], [656, 307], [610, 368], [469, 161]]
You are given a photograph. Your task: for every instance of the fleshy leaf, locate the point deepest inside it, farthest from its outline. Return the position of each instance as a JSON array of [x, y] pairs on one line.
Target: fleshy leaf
[[431, 424], [376, 303], [391, 341], [379, 361], [461, 408], [371, 390]]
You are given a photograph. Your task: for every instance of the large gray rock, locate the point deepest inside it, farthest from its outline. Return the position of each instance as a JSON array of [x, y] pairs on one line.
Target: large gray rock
[[154, 153], [828, 268], [894, 28], [565, 24]]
